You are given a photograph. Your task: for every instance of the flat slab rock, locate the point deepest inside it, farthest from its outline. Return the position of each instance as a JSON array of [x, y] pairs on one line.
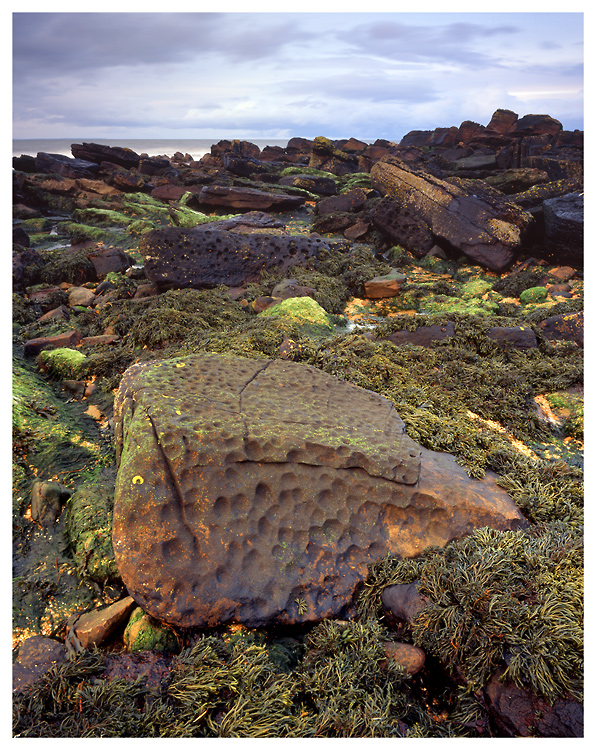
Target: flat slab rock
[[259, 491], [204, 257]]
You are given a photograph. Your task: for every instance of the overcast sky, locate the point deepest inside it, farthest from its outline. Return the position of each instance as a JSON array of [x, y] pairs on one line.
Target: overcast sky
[[278, 75]]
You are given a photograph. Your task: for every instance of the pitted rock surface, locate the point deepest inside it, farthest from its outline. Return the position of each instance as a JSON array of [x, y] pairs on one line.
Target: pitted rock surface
[[202, 257], [258, 491]]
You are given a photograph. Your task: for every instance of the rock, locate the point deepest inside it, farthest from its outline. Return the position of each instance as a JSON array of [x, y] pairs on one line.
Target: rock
[[58, 313], [481, 224], [410, 658], [312, 183], [482, 161], [244, 485], [520, 713], [502, 121], [564, 228], [536, 125], [402, 602], [291, 288], [568, 327], [262, 303], [169, 192], [95, 627], [351, 201], [248, 199], [100, 340], [517, 180], [32, 347], [533, 295], [64, 166], [109, 260], [97, 153], [562, 273], [326, 156], [422, 336], [153, 667], [202, 257], [403, 226], [26, 267], [143, 633], [47, 501], [307, 314], [517, 336], [37, 655], [80, 295], [357, 231], [381, 287]]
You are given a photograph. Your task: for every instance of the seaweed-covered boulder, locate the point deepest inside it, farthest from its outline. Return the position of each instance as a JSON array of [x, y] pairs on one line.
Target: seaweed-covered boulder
[[476, 220], [259, 491], [202, 257]]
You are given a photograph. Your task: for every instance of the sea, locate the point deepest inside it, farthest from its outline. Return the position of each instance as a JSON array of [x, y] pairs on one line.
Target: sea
[[196, 147]]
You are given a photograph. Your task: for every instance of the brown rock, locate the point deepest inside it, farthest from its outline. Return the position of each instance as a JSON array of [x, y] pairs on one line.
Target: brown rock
[[402, 602], [352, 201], [478, 222], [262, 303], [291, 288], [100, 340], [80, 295], [568, 327], [47, 501], [384, 286], [37, 655], [518, 336], [93, 628], [244, 485], [68, 339], [357, 230], [521, 713], [502, 121], [109, 259], [562, 273], [410, 658], [58, 313], [423, 335], [248, 199]]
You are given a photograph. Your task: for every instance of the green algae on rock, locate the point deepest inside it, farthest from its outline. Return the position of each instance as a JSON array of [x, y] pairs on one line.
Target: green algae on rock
[[310, 318], [63, 363], [144, 633]]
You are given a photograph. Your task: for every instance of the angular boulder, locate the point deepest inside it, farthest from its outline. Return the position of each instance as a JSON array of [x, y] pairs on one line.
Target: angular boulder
[[248, 199], [564, 228], [476, 220], [202, 257], [258, 491]]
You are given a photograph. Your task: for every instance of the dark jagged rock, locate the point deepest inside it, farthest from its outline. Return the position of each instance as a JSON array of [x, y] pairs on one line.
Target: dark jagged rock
[[258, 491], [312, 183], [98, 153], [564, 228], [203, 257], [64, 165]]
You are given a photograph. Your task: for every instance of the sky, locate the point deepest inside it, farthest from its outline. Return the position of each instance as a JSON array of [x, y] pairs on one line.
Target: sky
[[263, 74]]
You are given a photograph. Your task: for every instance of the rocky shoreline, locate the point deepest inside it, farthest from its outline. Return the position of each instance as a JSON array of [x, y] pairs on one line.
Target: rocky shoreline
[[298, 438]]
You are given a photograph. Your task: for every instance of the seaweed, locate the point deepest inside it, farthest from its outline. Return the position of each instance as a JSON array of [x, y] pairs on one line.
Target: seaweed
[[499, 599]]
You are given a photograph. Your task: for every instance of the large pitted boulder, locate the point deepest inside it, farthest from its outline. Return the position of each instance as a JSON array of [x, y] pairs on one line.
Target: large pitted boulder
[[476, 220], [202, 257], [258, 491]]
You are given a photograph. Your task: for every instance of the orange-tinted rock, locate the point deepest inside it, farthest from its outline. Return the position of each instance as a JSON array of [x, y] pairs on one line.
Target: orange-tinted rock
[[410, 658], [245, 485], [34, 346], [384, 286]]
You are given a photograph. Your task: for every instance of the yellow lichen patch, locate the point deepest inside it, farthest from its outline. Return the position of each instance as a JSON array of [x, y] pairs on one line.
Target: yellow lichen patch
[[137, 479]]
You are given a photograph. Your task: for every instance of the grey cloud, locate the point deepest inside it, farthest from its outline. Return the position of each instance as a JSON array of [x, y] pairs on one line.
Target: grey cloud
[[46, 44], [402, 41]]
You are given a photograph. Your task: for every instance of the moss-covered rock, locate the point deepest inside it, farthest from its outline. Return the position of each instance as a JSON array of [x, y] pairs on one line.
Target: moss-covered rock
[[89, 527], [63, 363], [534, 294], [307, 314], [144, 633]]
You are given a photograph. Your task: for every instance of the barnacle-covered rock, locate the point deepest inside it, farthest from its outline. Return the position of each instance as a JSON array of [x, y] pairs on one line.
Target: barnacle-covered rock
[[259, 491]]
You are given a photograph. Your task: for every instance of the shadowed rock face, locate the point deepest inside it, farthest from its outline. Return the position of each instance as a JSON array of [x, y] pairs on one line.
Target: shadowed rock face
[[204, 257], [259, 491]]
